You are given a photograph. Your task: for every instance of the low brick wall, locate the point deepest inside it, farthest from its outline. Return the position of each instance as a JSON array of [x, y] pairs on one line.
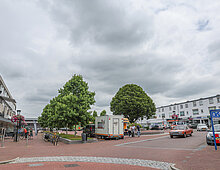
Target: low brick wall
[[67, 141]]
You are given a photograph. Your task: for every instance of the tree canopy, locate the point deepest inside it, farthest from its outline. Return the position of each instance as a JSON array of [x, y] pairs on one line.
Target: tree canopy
[[70, 107], [132, 102], [103, 113]]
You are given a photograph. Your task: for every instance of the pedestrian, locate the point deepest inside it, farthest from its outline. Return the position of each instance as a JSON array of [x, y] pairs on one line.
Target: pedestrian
[[138, 131], [129, 131], [25, 132], [31, 133], [133, 130]]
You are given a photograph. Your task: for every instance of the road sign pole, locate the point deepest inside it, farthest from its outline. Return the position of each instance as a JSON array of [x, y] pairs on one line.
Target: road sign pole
[[213, 130]]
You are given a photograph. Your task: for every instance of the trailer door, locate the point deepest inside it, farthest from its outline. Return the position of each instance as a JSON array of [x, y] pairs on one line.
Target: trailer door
[[115, 125]]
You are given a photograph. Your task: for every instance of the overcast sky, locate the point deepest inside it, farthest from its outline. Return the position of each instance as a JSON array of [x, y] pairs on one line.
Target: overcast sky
[[170, 48]]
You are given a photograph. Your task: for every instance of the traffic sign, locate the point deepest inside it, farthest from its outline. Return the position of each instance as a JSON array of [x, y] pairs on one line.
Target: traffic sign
[[215, 114]]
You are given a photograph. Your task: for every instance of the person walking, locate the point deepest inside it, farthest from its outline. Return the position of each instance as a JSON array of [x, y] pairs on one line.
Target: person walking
[[31, 133], [133, 130], [129, 131], [25, 132], [138, 131]]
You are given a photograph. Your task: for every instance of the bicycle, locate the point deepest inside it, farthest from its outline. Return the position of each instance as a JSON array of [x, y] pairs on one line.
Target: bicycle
[[21, 136]]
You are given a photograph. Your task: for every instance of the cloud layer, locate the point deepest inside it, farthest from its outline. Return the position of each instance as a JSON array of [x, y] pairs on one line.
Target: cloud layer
[[169, 48]]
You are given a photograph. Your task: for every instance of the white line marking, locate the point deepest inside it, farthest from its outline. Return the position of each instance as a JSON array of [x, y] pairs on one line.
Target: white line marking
[[161, 148], [141, 141]]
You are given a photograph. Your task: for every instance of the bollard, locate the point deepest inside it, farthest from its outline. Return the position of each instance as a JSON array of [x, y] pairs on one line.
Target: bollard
[[27, 140], [3, 138], [84, 137]]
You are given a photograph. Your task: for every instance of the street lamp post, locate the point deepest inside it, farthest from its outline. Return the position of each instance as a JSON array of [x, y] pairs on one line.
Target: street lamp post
[[18, 124]]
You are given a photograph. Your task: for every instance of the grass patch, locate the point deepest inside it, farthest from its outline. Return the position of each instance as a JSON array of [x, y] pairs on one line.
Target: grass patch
[[71, 137]]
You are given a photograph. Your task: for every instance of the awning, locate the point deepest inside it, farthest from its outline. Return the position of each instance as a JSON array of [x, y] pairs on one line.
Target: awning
[[6, 120]]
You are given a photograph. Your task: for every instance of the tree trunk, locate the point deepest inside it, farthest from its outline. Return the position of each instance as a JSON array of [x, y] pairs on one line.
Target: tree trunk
[[75, 130], [66, 129]]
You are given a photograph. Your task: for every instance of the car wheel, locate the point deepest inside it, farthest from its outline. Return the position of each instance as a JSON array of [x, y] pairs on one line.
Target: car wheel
[[171, 136], [184, 135], [190, 134]]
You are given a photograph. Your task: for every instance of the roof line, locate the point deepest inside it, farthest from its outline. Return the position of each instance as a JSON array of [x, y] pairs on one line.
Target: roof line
[[1, 80], [189, 101]]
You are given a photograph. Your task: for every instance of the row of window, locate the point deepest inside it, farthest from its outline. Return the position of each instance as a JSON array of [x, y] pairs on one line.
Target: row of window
[[194, 111], [211, 101]]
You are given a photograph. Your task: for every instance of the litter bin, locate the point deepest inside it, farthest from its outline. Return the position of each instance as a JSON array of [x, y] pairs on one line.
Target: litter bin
[[84, 137]]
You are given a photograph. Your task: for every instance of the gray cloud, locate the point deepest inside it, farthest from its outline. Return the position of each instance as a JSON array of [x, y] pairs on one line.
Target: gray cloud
[[102, 22], [162, 46]]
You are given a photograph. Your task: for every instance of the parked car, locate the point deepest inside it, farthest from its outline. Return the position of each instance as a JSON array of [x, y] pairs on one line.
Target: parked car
[[181, 130], [89, 130], [193, 126], [202, 127], [209, 136], [156, 127]]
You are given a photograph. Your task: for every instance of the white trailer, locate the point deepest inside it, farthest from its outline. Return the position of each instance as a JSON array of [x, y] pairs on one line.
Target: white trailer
[[109, 126]]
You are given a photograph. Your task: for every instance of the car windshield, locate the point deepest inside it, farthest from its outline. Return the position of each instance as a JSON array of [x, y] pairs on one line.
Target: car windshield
[[216, 127], [179, 128]]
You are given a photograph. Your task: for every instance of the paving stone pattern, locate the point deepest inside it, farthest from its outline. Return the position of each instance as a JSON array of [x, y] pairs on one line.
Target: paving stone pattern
[[136, 162]]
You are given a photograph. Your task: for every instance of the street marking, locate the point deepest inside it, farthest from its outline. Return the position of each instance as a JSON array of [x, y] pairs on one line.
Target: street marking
[[141, 141], [32, 165], [70, 165], [162, 148]]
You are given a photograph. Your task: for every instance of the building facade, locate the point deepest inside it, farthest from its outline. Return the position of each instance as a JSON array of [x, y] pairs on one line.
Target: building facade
[[32, 123], [195, 111], [7, 107]]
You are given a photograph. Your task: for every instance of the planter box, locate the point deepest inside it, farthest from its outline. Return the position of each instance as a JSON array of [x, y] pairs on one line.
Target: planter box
[[68, 141]]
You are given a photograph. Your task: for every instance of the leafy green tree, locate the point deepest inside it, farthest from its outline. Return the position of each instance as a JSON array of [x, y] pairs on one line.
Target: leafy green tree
[[76, 100], [132, 102], [70, 107], [95, 114], [103, 113]]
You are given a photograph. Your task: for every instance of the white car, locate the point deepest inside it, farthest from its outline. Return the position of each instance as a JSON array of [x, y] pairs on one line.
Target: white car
[[209, 136], [202, 127]]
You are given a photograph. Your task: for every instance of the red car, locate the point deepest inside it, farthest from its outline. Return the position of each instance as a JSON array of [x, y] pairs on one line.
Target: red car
[[181, 130]]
